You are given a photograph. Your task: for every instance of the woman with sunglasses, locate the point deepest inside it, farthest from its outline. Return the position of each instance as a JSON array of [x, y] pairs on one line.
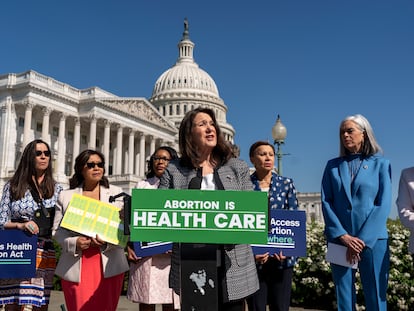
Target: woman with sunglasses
[[148, 276], [92, 271], [31, 187], [208, 163]]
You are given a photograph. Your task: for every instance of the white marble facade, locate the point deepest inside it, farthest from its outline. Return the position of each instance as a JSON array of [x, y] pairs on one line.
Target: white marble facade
[[125, 130]]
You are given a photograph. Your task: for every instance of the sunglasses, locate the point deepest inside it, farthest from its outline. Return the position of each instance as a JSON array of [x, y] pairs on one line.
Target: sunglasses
[[92, 165], [39, 153]]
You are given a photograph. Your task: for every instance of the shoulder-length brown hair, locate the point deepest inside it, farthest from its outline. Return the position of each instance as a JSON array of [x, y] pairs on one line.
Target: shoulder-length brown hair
[[23, 177], [77, 179], [188, 149]]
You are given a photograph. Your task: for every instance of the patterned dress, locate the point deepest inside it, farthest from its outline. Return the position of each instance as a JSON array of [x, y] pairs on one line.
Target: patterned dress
[[31, 291], [148, 278], [275, 277]]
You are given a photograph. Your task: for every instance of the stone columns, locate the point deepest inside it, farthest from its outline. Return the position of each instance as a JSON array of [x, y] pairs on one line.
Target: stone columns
[[152, 144], [27, 124], [92, 132], [141, 154], [60, 168], [9, 134], [107, 134], [76, 143], [118, 166], [131, 152], [45, 124]]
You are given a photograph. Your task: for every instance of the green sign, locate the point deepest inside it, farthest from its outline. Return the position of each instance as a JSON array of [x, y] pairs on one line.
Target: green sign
[[199, 216]]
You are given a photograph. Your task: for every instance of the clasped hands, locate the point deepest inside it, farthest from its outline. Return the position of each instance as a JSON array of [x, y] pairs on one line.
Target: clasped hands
[[355, 247], [84, 242], [263, 258]]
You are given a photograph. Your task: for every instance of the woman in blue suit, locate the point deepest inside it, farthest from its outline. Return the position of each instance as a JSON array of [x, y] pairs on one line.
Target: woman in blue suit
[[356, 201]]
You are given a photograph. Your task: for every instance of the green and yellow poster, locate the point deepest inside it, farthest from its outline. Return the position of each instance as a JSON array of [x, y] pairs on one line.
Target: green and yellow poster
[[92, 217]]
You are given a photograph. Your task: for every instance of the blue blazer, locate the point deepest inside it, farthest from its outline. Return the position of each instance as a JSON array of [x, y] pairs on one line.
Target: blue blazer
[[361, 210]]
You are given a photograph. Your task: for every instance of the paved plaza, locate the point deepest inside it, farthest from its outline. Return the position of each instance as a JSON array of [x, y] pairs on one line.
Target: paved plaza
[[57, 301]]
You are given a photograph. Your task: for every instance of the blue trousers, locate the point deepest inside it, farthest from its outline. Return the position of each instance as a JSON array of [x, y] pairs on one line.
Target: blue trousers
[[374, 270]]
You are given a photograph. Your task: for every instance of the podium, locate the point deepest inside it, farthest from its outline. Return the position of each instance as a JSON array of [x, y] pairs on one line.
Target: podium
[[200, 281]]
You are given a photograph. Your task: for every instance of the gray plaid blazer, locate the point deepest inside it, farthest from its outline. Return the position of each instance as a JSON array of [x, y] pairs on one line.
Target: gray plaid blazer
[[240, 278]]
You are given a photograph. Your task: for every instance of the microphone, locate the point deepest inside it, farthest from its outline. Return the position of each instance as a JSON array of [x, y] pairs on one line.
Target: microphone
[[112, 198]]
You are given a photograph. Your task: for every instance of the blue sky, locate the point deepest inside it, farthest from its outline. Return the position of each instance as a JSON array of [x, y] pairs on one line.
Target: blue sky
[[312, 61]]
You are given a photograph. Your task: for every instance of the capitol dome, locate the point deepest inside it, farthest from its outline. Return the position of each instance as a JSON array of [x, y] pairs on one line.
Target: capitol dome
[[184, 76], [186, 86]]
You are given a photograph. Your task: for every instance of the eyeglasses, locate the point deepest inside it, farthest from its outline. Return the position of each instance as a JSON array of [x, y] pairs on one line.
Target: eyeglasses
[[163, 159], [39, 153], [91, 165]]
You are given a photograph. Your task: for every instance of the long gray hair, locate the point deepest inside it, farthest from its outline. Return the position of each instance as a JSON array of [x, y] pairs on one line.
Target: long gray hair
[[370, 145]]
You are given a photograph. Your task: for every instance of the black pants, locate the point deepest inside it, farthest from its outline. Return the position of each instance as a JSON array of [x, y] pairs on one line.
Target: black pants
[[275, 289], [232, 306]]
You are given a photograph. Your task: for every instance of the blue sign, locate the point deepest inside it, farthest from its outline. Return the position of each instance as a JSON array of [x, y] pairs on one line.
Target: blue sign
[[287, 234], [17, 254], [144, 249]]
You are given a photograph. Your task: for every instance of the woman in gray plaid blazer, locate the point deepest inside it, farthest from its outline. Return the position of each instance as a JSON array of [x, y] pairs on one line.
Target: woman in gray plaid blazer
[[207, 163]]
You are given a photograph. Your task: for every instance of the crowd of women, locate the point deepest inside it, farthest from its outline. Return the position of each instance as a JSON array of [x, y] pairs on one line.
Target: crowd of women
[[356, 201]]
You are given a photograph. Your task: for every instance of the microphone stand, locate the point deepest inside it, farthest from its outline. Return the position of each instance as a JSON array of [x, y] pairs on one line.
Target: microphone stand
[[199, 273], [127, 209]]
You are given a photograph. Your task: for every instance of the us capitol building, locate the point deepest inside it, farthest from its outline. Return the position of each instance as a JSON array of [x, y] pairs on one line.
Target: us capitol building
[[127, 130]]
